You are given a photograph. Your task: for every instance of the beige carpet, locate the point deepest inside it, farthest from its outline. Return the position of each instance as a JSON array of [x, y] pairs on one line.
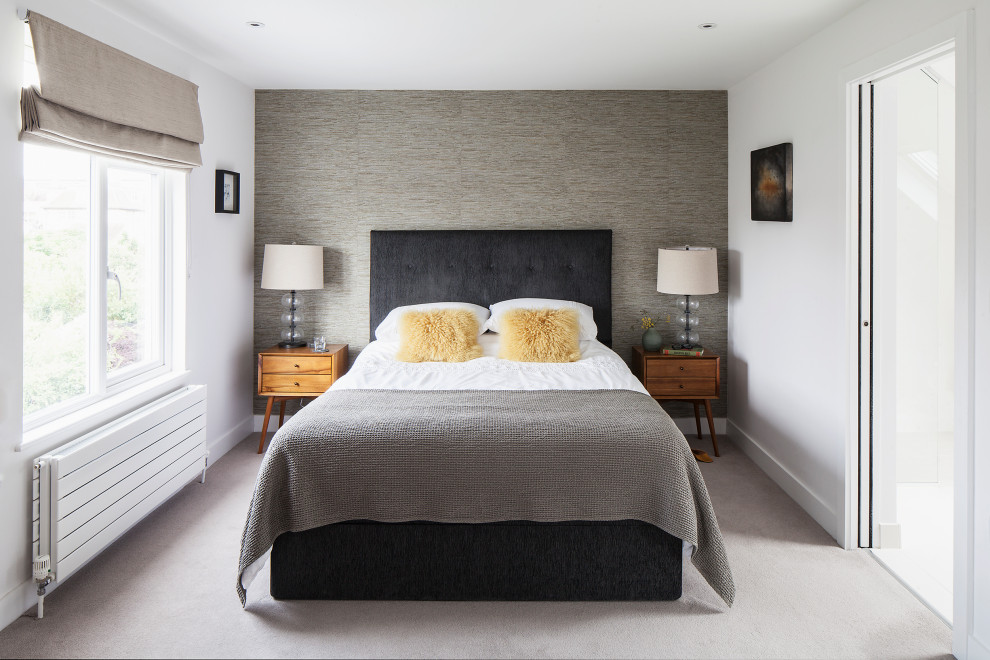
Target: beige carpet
[[166, 589]]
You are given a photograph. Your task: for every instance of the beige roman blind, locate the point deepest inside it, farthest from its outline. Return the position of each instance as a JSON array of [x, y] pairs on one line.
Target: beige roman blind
[[102, 100]]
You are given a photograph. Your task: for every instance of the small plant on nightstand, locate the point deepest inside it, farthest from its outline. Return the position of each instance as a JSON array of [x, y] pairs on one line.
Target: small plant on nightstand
[[652, 339]]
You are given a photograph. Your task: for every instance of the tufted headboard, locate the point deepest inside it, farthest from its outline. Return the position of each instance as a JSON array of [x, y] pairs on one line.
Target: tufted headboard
[[486, 266]]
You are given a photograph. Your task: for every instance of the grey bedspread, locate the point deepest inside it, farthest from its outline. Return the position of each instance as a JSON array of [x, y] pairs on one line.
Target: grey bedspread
[[483, 456]]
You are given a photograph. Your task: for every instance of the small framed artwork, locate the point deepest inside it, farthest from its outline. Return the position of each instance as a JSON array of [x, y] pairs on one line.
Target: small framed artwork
[[228, 192], [771, 188]]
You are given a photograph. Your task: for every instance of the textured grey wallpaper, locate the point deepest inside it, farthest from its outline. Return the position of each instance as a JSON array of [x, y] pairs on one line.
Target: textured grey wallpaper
[[332, 165]]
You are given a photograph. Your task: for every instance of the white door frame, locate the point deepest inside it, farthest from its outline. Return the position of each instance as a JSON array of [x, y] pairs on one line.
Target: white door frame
[[956, 34], [877, 377]]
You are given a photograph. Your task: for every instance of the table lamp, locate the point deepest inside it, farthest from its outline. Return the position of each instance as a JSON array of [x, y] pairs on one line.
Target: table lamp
[[292, 267], [687, 271]]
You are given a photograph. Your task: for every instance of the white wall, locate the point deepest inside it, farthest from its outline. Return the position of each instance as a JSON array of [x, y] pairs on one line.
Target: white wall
[[220, 264], [789, 371]]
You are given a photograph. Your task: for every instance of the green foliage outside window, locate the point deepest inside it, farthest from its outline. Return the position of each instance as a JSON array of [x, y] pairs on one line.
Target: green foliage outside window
[[55, 319]]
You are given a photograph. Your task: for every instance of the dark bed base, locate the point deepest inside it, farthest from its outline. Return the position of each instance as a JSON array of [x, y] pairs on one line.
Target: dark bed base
[[364, 560]]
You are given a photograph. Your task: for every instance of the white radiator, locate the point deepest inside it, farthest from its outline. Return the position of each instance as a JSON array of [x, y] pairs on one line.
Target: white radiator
[[90, 491]]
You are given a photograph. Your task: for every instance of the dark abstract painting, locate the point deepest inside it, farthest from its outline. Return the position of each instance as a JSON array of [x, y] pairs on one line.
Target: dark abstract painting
[[770, 183]]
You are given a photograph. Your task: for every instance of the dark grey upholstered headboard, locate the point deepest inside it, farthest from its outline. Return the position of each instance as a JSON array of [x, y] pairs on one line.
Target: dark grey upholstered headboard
[[486, 266]]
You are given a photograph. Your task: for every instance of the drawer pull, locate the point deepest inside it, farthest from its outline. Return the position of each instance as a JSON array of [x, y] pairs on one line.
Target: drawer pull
[[681, 385], [297, 366], [682, 368], [297, 384]]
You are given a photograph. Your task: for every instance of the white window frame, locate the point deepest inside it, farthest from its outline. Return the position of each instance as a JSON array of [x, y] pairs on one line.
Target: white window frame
[[110, 394], [103, 381]]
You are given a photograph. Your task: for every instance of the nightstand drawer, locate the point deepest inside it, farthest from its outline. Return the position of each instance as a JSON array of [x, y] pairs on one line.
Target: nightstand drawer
[[680, 368], [289, 384], [694, 379], [678, 387], [302, 364]]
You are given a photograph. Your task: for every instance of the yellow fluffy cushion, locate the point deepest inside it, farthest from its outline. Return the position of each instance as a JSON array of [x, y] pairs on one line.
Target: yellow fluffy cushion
[[539, 335], [438, 335]]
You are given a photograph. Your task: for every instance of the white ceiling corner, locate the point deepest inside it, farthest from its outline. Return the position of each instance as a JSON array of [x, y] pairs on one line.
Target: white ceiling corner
[[485, 44]]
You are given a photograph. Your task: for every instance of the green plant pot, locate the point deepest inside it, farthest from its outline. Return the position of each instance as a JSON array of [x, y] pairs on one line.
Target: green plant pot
[[652, 341]]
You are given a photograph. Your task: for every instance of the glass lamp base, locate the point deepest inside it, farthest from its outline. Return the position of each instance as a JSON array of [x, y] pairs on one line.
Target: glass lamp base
[[292, 337], [687, 338]]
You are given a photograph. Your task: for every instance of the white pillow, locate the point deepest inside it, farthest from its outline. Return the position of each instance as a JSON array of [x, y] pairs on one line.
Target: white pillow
[[388, 329], [586, 316]]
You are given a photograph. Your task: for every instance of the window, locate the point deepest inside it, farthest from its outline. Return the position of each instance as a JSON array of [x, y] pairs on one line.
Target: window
[[97, 274]]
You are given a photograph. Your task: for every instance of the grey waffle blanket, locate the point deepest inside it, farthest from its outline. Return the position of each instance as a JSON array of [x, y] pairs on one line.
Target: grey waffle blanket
[[483, 456]]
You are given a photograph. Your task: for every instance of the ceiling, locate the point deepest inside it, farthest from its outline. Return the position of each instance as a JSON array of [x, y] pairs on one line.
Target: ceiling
[[485, 44]]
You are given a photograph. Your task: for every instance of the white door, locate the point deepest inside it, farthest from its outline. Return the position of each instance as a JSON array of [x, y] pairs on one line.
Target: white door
[[907, 326]]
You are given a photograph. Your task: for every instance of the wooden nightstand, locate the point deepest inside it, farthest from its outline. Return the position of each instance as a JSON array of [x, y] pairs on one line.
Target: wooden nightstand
[[680, 378], [296, 373]]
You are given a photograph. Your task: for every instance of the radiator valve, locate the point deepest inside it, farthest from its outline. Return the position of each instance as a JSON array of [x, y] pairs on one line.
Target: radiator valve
[[43, 568], [43, 576]]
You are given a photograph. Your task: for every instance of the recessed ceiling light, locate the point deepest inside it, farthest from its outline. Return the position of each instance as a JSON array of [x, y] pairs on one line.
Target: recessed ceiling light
[[256, 24], [707, 26]]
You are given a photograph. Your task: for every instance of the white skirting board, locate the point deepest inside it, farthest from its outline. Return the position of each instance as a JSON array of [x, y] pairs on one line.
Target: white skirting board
[[19, 600], [815, 506], [230, 439], [977, 649], [272, 423]]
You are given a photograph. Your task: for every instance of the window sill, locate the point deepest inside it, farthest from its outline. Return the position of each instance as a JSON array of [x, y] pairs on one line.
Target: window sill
[[63, 429]]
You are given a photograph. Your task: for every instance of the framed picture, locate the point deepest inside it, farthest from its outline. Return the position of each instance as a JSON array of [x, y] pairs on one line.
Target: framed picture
[[228, 192], [771, 188]]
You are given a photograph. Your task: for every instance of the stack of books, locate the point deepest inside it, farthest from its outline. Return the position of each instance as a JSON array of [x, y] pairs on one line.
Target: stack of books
[[695, 351]]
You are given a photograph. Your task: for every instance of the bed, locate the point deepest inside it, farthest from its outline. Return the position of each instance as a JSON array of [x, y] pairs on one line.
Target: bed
[[382, 489]]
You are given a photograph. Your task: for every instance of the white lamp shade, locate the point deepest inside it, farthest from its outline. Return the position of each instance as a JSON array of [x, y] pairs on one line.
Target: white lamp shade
[[293, 267], [687, 271]]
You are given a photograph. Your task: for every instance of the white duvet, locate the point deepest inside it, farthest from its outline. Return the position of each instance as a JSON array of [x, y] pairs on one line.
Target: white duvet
[[599, 368]]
